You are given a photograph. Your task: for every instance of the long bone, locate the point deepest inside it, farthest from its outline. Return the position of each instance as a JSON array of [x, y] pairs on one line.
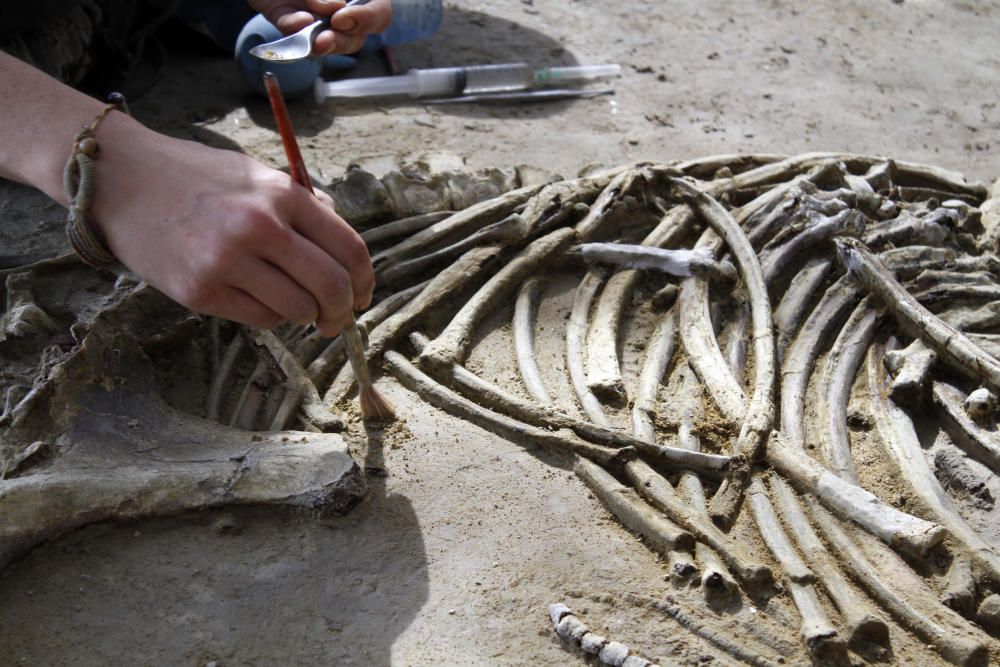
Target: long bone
[[715, 576], [635, 514], [965, 318], [545, 416], [334, 355], [442, 289], [974, 440], [403, 226], [795, 302], [451, 345], [525, 312], [673, 262], [822, 229], [798, 363], [576, 332], [852, 503], [507, 232], [906, 229], [956, 649], [819, 634], [603, 364], [222, 376], [302, 393], [949, 295], [244, 414], [458, 224], [659, 353], [759, 413], [952, 346], [863, 624], [510, 429], [933, 277], [710, 164], [841, 367], [652, 486], [903, 445]]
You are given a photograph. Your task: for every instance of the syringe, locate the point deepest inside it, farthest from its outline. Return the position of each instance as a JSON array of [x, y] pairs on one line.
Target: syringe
[[471, 80]]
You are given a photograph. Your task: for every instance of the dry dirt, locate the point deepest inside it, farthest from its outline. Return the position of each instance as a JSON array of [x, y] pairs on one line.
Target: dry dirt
[[465, 537]]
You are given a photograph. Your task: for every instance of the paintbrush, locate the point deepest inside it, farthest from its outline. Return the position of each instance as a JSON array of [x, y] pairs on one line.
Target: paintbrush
[[373, 404]]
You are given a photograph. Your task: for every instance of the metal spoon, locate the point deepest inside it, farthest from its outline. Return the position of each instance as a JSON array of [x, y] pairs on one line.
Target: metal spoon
[[298, 45]]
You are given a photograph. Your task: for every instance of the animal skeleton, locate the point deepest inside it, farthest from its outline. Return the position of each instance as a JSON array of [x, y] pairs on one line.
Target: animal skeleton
[[833, 254]]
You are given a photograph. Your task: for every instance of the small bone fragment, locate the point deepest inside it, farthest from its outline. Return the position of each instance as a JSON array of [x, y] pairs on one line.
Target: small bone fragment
[[980, 405], [445, 399], [221, 378], [489, 395], [842, 365], [525, 312], [509, 231], [451, 345], [403, 226], [862, 622], [974, 440], [903, 445], [658, 491], [958, 650], [853, 503], [959, 586], [636, 661], [680, 565], [576, 331], [910, 368], [665, 297], [613, 654]]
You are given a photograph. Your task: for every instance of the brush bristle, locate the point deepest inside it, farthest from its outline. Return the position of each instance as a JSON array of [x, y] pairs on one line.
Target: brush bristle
[[375, 406]]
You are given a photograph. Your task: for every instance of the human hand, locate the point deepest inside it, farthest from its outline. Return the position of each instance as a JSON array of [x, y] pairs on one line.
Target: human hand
[[349, 26], [225, 235]]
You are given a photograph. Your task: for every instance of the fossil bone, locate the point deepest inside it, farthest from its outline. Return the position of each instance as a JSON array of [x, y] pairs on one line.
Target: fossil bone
[[525, 312]]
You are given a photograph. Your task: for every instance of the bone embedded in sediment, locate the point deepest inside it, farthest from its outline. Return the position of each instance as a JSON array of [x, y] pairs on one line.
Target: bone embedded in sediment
[[659, 354], [955, 648], [903, 445], [863, 624], [841, 367], [525, 315], [959, 585], [980, 443], [576, 333], [850, 502], [988, 613], [451, 345], [604, 376]]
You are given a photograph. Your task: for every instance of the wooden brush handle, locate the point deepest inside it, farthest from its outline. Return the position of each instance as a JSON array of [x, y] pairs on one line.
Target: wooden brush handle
[[292, 153]]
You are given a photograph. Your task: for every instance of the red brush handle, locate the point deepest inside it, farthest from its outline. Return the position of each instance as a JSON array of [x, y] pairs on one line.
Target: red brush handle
[[295, 162]]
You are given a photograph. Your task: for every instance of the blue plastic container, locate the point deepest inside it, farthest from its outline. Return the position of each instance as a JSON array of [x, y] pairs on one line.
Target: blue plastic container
[[411, 20]]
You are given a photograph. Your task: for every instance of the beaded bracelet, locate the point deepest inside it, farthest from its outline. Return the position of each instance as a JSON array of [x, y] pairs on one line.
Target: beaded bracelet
[[78, 181]]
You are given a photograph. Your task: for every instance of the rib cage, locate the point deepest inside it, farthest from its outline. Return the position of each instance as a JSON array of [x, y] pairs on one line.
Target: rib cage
[[755, 406]]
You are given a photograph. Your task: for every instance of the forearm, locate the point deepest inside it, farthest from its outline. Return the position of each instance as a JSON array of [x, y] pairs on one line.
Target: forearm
[[40, 116]]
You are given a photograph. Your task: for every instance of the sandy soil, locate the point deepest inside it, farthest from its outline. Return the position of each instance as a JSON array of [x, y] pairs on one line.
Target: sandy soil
[[465, 538]]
